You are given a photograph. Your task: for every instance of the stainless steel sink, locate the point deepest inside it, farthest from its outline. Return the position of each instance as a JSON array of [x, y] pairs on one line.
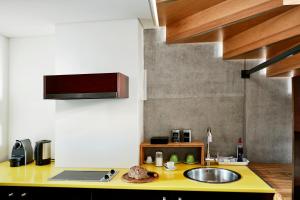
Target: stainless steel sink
[[212, 175]]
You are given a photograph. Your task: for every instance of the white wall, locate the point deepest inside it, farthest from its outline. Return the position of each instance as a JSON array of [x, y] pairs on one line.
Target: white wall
[[29, 115], [3, 98], [102, 132]]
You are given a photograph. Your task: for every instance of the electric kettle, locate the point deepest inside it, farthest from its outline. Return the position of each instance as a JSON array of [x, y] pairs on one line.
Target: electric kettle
[[42, 152]]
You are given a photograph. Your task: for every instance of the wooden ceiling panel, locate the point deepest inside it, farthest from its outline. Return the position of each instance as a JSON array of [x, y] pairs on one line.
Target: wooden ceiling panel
[[229, 31], [279, 47], [226, 32], [220, 15], [284, 66], [170, 11], [173, 12], [281, 27], [271, 50], [292, 73], [255, 54]]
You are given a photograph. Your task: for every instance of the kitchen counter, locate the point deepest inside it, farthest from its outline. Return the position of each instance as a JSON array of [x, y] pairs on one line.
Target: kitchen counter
[[38, 176]]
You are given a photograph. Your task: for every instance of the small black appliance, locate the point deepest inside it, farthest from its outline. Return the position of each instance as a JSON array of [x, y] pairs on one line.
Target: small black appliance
[[187, 135], [42, 152], [160, 140], [176, 135]]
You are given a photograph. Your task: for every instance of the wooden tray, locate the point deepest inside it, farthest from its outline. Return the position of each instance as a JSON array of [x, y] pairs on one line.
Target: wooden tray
[[152, 177]]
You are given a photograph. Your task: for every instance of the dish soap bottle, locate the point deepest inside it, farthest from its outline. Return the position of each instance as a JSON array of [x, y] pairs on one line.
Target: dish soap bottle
[[240, 150], [209, 140]]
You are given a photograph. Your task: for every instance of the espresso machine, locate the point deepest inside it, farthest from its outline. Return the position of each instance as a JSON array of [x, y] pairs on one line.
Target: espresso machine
[[22, 153]]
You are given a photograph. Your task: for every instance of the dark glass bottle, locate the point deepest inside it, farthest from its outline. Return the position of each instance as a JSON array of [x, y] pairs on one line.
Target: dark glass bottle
[[240, 150]]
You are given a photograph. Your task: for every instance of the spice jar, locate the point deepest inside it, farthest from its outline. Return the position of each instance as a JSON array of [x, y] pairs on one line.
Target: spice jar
[[158, 159]]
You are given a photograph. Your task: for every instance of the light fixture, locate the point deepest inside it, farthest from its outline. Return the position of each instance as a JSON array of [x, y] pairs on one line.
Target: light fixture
[[165, 1], [154, 14]]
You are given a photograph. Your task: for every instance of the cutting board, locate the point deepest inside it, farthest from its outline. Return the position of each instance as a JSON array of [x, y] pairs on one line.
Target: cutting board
[[152, 177]]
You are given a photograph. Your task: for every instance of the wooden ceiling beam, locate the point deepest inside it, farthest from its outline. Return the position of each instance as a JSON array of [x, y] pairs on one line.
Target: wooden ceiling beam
[[284, 67], [175, 10], [293, 73], [217, 16], [281, 27], [282, 46]]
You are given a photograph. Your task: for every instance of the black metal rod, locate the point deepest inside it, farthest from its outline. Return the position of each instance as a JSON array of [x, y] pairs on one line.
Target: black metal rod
[[292, 51]]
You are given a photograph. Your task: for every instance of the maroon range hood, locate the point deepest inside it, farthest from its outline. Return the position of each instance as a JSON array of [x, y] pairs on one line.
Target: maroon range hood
[[86, 86]]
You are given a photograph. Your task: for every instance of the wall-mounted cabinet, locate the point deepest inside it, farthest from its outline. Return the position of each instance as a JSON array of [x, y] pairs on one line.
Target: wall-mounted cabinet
[[86, 86]]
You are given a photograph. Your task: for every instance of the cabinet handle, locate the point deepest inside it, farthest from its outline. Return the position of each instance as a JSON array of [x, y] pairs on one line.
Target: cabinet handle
[[24, 194], [10, 194]]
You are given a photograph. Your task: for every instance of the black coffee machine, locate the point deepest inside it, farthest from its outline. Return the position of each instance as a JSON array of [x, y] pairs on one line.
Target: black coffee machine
[[42, 152], [22, 153]]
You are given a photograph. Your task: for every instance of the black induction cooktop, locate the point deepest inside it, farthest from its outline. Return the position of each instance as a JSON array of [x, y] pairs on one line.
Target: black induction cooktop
[[90, 176]]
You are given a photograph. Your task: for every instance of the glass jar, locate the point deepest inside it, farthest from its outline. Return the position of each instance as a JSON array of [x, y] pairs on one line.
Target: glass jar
[[158, 159]]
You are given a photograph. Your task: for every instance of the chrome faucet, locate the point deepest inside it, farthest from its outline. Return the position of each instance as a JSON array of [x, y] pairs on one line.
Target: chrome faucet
[[208, 158]]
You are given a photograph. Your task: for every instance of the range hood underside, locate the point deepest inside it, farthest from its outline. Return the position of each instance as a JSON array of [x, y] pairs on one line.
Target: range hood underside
[[100, 95], [86, 86]]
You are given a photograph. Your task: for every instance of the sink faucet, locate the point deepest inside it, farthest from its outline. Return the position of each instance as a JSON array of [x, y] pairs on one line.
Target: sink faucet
[[208, 158]]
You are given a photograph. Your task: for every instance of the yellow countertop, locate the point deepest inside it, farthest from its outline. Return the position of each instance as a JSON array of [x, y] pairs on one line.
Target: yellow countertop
[[38, 176]]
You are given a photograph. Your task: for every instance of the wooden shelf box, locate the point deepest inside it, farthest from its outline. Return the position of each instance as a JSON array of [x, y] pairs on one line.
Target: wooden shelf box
[[197, 145]]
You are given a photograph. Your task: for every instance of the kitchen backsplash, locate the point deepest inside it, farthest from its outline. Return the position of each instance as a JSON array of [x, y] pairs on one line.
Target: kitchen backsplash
[[190, 86]]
